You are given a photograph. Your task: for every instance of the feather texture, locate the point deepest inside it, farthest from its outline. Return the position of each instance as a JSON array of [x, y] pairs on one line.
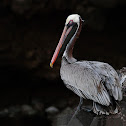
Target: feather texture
[[93, 80]]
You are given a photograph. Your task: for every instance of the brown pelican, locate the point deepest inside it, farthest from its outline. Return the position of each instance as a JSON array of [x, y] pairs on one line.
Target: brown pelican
[[93, 80]]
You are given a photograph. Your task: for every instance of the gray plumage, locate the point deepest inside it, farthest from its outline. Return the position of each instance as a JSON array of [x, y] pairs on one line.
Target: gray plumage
[[92, 80]]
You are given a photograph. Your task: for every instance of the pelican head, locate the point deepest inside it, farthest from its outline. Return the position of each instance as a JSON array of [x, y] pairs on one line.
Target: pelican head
[[71, 26], [73, 18]]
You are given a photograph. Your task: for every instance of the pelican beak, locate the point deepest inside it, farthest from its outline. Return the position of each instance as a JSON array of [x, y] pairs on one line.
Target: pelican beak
[[65, 32]]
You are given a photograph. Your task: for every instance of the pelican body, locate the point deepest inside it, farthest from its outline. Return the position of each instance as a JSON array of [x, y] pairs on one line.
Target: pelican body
[[93, 80]]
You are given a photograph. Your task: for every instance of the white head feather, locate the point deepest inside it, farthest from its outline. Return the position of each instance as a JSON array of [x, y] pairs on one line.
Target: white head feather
[[74, 17]]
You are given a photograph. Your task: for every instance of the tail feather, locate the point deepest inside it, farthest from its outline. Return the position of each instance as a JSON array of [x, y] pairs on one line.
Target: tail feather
[[122, 75], [106, 110]]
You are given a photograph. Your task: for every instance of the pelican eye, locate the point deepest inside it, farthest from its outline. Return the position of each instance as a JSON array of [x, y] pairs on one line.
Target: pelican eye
[[71, 21]]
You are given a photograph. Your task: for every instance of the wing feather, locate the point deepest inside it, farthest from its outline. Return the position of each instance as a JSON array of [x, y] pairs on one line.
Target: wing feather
[[111, 78], [75, 90], [85, 79]]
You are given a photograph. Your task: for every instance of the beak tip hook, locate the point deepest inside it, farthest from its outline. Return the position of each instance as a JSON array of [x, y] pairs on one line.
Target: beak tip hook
[[51, 65]]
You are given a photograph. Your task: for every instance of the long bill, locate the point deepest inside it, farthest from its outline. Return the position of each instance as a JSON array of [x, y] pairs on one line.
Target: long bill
[[65, 32]]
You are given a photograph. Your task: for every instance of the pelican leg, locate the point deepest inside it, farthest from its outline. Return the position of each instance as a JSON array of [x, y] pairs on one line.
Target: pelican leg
[[87, 108], [79, 106], [77, 110]]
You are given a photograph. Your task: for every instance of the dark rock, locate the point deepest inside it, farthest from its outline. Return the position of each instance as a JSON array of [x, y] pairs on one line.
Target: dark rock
[[14, 111], [4, 113], [122, 2], [38, 105], [63, 117], [96, 19], [105, 3], [20, 6], [27, 110], [84, 118], [61, 104], [51, 110]]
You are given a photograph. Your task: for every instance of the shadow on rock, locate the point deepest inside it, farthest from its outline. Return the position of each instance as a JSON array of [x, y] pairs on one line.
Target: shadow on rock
[[84, 118]]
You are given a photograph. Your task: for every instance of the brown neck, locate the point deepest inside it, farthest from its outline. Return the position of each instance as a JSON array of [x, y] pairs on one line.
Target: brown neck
[[69, 49]]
